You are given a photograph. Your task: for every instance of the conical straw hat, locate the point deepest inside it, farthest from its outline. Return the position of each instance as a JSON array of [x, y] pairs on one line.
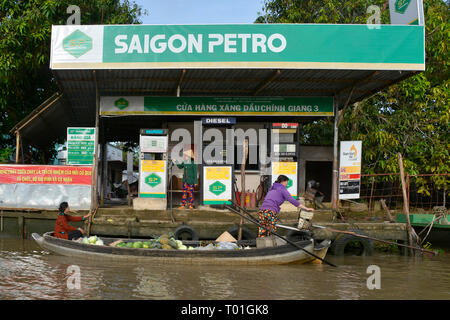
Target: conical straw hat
[[226, 237]]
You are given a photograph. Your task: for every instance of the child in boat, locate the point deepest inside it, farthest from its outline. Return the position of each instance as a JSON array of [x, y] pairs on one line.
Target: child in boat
[[268, 213], [63, 229]]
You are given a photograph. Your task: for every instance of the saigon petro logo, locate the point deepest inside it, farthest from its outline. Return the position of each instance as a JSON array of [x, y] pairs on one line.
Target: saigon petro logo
[[217, 188], [77, 43], [121, 103], [153, 180], [401, 6]]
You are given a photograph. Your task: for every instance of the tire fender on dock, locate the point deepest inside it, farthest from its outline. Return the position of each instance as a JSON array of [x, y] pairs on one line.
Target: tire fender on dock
[[185, 232], [363, 247]]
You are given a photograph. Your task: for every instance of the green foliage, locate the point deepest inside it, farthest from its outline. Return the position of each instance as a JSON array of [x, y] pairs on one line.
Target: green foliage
[[411, 117], [25, 26]]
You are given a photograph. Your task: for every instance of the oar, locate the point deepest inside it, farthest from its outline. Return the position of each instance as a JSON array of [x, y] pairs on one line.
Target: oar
[[276, 234], [360, 236]]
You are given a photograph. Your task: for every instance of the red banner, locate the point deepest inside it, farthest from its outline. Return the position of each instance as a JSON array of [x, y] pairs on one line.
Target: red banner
[[36, 174]]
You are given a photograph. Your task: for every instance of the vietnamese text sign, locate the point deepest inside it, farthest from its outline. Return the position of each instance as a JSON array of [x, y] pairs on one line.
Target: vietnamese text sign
[[290, 46], [350, 169], [220, 106], [217, 185], [44, 186], [289, 169], [153, 144], [152, 180], [80, 146]]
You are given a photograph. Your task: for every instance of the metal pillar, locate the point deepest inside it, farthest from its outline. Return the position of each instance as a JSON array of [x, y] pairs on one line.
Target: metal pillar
[[335, 186]]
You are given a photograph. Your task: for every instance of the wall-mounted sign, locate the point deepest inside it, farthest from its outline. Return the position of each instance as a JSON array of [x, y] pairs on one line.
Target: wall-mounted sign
[[350, 169], [219, 106], [289, 169], [217, 185], [45, 187], [80, 146]]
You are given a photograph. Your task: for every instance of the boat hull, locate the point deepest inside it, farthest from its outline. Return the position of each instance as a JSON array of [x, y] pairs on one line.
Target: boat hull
[[277, 255]]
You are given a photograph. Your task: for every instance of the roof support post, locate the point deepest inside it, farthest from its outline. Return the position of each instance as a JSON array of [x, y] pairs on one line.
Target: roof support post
[[335, 182], [180, 80], [94, 180], [266, 82]]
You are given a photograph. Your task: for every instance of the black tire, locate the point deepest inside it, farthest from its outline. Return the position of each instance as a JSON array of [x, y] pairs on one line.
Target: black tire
[[246, 234], [185, 232], [346, 244], [293, 235]]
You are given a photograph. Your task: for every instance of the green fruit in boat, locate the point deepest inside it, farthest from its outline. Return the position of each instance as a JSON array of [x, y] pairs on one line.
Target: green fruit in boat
[[158, 246], [190, 248], [92, 239], [166, 246], [145, 246], [182, 247], [129, 245], [85, 240], [179, 243], [173, 244], [137, 244]]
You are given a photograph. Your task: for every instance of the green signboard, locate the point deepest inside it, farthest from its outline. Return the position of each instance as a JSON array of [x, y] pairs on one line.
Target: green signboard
[[290, 46], [80, 146], [220, 106]]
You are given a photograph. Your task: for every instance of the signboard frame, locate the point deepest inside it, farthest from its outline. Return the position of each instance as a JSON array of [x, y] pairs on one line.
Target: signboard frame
[[350, 169]]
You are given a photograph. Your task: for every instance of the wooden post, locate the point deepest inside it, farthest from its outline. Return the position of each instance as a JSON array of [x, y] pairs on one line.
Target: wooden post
[[17, 147], [94, 180], [103, 172], [386, 210], [244, 160], [405, 201], [335, 182], [371, 196]]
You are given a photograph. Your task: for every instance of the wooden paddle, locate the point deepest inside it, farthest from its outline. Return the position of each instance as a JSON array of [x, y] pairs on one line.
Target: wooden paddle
[[276, 234]]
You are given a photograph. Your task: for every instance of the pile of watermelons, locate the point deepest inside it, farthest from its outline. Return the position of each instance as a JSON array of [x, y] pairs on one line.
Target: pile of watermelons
[[165, 241]]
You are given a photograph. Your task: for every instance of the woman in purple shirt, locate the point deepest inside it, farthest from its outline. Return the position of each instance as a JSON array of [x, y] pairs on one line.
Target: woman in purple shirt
[[268, 213]]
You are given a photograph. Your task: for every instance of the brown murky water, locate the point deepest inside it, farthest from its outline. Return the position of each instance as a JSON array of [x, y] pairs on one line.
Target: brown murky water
[[28, 272]]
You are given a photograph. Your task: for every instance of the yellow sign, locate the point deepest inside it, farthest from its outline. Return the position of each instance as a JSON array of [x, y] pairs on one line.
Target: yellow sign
[[218, 173], [284, 168], [153, 165]]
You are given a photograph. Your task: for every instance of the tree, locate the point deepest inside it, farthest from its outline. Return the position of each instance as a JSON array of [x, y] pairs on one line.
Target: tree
[[25, 78], [411, 117]]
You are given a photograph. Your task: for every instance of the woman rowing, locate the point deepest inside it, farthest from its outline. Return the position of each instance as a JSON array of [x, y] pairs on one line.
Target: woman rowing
[[268, 213]]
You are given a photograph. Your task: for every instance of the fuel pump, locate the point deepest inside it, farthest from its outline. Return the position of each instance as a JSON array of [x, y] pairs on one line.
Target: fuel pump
[[284, 153], [153, 147]]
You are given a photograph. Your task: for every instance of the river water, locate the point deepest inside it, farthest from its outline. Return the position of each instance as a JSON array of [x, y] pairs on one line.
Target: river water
[[28, 272]]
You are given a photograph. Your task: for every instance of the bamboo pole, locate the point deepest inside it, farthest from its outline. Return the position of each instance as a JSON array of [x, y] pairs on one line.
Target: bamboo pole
[[244, 160], [405, 201], [17, 147]]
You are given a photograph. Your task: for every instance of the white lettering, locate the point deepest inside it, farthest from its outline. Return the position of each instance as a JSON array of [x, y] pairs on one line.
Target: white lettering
[[197, 43], [259, 41], [218, 42], [161, 47], [135, 44], [271, 46], [229, 43], [244, 37], [123, 45], [181, 48]]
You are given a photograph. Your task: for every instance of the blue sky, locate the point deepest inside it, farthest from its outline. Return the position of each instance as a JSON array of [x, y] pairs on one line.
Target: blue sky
[[200, 11]]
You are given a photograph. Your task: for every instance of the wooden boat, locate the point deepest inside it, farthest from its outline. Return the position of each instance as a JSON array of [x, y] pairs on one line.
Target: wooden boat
[[282, 254]]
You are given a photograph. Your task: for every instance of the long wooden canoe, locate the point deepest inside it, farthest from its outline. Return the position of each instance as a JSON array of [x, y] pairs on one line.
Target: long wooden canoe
[[283, 254]]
